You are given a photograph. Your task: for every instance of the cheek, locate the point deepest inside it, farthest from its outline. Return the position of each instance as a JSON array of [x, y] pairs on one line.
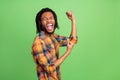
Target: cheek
[[43, 23], [53, 21]]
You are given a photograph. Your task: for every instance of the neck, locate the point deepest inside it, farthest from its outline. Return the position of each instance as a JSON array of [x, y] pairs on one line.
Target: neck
[[47, 33]]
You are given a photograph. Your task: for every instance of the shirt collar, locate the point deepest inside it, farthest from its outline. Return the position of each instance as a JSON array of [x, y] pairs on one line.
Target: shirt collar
[[43, 34]]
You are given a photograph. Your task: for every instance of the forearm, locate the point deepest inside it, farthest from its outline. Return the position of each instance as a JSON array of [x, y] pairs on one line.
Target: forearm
[[61, 59], [73, 24], [73, 29]]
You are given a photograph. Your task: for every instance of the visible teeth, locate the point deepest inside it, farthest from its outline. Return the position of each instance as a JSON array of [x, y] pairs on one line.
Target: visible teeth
[[49, 24]]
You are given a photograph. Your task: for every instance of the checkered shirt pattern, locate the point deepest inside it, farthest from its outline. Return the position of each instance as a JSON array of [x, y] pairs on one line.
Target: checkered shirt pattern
[[45, 51]]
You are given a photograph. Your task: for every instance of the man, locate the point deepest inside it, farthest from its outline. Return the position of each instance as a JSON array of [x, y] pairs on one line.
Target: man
[[45, 48]]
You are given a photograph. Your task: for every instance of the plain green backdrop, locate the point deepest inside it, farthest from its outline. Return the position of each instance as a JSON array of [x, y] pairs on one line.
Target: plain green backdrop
[[95, 57]]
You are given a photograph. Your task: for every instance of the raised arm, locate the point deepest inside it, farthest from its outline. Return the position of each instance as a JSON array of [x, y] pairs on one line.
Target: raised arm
[[71, 16], [71, 42]]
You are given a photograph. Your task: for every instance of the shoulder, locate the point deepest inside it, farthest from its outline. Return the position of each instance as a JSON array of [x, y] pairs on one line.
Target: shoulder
[[37, 40], [56, 35], [37, 44]]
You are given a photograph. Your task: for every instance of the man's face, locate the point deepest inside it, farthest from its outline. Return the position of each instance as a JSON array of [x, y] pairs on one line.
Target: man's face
[[48, 22]]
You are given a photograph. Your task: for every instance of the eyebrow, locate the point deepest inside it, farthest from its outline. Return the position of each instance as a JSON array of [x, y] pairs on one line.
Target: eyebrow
[[47, 17]]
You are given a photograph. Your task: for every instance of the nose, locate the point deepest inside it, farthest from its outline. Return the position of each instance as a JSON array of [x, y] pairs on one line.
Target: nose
[[48, 20]]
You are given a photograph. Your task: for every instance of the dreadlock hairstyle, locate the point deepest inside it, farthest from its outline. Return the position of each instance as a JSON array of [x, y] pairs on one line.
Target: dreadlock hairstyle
[[38, 19]]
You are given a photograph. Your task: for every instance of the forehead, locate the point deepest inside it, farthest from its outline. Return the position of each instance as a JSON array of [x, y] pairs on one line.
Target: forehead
[[47, 14]]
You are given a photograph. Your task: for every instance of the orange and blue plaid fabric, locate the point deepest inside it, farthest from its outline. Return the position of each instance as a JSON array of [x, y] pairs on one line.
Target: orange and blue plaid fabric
[[45, 51]]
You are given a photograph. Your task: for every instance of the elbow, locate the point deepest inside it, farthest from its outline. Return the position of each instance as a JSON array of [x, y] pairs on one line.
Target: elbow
[[74, 40], [50, 68]]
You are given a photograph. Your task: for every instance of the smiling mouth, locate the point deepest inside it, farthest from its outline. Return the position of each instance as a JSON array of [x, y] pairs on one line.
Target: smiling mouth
[[49, 27]]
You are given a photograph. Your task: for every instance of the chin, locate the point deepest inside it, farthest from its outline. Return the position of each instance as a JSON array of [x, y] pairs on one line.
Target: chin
[[49, 32]]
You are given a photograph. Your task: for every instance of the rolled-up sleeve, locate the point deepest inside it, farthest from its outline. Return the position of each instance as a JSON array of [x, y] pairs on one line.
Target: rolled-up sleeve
[[73, 39], [40, 56], [63, 40]]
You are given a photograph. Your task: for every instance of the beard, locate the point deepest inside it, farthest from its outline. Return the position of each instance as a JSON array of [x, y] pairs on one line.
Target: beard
[[44, 29]]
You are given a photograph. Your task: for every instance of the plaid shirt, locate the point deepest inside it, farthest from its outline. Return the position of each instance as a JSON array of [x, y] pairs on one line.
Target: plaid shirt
[[45, 51]]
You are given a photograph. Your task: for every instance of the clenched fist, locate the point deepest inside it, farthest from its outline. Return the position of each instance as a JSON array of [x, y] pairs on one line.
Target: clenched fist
[[70, 15]]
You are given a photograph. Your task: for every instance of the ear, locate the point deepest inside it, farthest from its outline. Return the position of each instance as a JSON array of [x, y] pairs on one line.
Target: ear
[[40, 23]]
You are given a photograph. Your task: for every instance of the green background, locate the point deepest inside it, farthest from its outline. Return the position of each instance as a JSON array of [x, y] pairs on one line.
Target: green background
[[95, 57]]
